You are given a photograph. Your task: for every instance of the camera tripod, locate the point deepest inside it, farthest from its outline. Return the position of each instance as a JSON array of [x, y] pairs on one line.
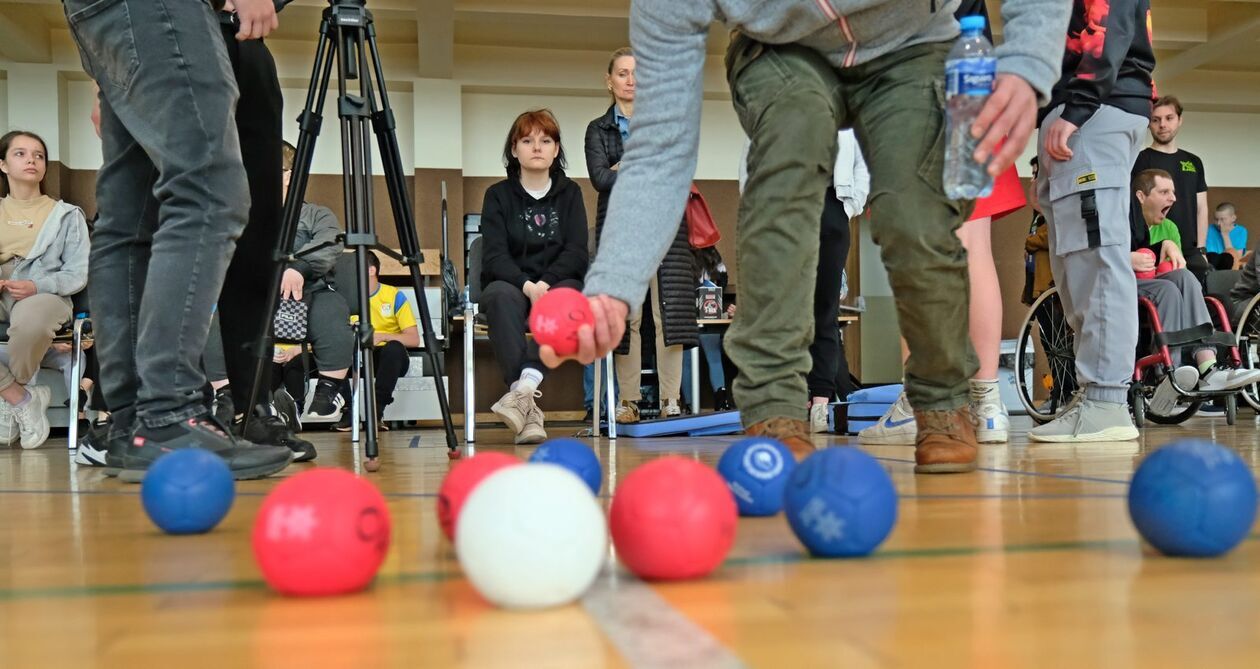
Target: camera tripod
[[347, 37]]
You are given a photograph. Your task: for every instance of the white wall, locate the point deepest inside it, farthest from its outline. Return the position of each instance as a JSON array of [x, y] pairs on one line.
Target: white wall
[[327, 159], [4, 104]]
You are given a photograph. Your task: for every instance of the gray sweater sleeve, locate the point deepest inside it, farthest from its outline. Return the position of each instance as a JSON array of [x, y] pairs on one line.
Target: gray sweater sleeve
[[323, 228], [647, 202], [1034, 35]]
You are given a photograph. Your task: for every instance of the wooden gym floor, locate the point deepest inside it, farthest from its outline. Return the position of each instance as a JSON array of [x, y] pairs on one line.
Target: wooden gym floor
[[1030, 562]]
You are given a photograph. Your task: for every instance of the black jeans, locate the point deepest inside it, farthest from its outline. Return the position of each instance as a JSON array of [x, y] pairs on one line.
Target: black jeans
[[172, 195], [243, 316], [390, 362], [827, 350], [507, 309]]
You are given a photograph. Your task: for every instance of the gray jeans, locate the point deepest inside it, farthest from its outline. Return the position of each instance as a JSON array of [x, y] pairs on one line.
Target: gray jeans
[[172, 197], [1086, 204]]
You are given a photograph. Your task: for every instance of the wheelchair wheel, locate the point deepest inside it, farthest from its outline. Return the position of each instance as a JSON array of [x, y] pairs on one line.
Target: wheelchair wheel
[[1137, 405], [1231, 409], [1045, 326], [1248, 332]]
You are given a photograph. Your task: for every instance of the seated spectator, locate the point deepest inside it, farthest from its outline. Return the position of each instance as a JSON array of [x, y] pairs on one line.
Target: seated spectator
[[1226, 240], [43, 261], [1176, 293], [316, 249], [534, 230], [394, 331], [711, 271]]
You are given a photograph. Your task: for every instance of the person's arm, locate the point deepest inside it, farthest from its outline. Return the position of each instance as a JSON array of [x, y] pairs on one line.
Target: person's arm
[[1039, 240], [409, 333], [72, 275], [668, 38], [496, 259], [574, 258], [598, 166], [324, 229], [409, 337]]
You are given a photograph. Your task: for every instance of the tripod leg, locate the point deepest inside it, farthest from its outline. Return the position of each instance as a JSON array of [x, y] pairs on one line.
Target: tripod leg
[[404, 221]]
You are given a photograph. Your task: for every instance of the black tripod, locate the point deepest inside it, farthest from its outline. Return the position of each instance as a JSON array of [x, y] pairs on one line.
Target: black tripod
[[347, 36]]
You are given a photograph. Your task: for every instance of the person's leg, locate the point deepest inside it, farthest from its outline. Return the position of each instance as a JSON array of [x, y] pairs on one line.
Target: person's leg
[[711, 349], [786, 98], [212, 359], [333, 342], [32, 324], [1089, 238], [391, 362], [833, 250], [1188, 292], [669, 359], [629, 368], [984, 318], [243, 300], [507, 310], [899, 100]]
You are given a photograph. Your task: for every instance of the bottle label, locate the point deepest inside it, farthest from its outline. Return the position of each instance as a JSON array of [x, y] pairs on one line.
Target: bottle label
[[970, 76]]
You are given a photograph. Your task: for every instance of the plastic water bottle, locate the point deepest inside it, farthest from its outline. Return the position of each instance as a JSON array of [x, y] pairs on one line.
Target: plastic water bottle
[[969, 71]]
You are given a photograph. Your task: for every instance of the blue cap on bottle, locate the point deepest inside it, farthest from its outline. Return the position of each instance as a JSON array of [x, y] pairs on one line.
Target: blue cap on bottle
[[972, 23]]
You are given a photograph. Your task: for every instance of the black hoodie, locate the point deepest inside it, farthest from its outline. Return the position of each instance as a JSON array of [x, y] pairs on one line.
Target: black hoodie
[[1108, 60], [533, 240]]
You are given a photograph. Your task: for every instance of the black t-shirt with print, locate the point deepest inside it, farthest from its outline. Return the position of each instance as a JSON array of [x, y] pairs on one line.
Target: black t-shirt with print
[[1188, 178]]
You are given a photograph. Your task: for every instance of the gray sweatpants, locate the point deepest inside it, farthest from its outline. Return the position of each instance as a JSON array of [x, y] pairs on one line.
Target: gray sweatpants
[[1086, 203], [1178, 298]]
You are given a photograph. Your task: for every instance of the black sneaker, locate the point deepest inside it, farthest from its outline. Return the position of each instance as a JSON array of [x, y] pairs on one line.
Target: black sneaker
[[343, 425], [246, 460], [93, 446], [327, 401], [288, 409], [223, 406], [270, 430]]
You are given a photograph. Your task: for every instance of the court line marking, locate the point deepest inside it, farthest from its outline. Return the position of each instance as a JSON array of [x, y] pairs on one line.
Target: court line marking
[[647, 631], [108, 589], [1020, 472]]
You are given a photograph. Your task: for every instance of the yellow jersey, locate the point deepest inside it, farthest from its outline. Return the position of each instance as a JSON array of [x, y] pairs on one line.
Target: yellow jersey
[[390, 311]]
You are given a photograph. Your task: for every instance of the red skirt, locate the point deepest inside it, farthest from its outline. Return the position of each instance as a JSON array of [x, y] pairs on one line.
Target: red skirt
[[1007, 197]]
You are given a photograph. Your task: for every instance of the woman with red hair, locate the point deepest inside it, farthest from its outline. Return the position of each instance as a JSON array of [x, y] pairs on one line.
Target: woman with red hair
[[534, 239]]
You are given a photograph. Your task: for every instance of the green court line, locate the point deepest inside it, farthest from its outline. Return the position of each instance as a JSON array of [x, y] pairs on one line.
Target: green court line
[[121, 589]]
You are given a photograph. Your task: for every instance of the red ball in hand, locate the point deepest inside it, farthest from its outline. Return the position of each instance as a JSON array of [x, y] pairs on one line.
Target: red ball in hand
[[1149, 274], [556, 317]]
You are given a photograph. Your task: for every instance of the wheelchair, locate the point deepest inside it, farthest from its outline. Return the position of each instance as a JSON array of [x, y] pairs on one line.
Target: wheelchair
[[1045, 361], [1248, 329]]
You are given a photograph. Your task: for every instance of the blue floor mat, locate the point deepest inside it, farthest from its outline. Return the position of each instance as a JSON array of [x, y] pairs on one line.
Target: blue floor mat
[[705, 424]]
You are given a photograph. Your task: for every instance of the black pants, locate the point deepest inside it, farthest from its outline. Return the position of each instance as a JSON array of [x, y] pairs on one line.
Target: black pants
[[243, 303], [390, 362], [827, 350], [507, 308], [1223, 261]]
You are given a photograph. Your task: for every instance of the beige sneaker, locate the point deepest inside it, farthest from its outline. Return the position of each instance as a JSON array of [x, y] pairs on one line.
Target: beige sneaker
[[533, 433], [627, 412], [818, 418], [514, 407], [671, 409]]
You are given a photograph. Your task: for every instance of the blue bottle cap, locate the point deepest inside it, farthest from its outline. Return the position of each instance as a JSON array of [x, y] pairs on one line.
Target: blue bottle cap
[[972, 23]]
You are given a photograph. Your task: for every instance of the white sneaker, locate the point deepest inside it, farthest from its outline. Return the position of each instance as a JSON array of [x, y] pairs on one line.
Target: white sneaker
[[672, 410], [988, 413], [32, 418], [514, 407], [1164, 401], [1221, 378], [818, 418], [8, 429], [895, 428]]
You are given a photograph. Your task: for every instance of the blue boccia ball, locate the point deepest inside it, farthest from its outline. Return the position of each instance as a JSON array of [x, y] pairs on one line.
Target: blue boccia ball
[[574, 456], [188, 491], [840, 503], [757, 470], [1193, 498]]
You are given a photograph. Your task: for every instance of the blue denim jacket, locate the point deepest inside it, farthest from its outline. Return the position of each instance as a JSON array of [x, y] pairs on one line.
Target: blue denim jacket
[[58, 261]]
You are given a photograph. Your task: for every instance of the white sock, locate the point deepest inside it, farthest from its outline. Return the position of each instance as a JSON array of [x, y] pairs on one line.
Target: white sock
[[529, 381]]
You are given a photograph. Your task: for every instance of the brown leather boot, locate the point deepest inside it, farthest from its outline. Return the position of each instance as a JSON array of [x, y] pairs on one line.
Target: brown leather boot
[[793, 433], [946, 443]]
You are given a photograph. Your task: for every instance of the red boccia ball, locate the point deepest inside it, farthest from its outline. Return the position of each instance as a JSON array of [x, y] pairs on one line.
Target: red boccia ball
[[1148, 274], [672, 519], [556, 317], [460, 481], [322, 532]]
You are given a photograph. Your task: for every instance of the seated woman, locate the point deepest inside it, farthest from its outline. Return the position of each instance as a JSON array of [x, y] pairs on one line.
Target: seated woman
[[43, 261], [711, 271], [1163, 279], [534, 234]]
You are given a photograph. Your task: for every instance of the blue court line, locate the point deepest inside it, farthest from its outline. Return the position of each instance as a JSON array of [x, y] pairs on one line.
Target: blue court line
[[1017, 472], [136, 493]]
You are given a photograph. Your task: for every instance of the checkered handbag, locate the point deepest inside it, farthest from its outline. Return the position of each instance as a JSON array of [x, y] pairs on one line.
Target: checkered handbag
[[290, 322]]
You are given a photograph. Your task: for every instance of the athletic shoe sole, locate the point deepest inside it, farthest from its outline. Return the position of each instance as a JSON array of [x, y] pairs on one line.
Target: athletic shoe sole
[[946, 468], [1123, 433], [888, 440], [509, 418], [246, 474]]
